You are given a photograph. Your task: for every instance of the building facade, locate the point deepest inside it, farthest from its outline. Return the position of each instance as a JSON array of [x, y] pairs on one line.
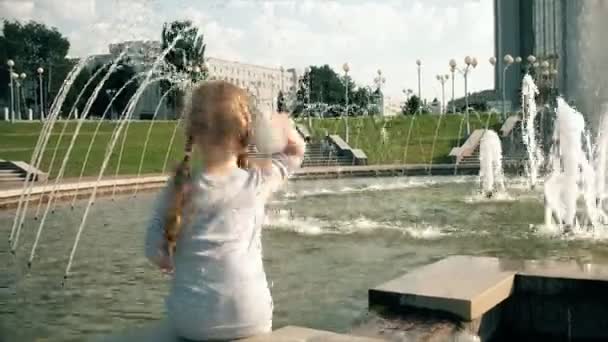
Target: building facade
[[263, 82], [567, 35], [524, 28]]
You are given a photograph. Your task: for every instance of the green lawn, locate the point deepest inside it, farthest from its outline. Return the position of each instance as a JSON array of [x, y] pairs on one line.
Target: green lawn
[[17, 142], [404, 145]]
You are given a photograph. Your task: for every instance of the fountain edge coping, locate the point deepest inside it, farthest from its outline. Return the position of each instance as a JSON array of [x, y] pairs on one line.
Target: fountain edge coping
[[468, 287], [300, 334]]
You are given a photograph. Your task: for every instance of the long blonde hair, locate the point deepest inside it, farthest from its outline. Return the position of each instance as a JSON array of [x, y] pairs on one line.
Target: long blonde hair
[[217, 116]]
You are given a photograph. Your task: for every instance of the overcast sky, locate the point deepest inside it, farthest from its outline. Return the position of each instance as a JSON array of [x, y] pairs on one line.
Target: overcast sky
[[368, 34]]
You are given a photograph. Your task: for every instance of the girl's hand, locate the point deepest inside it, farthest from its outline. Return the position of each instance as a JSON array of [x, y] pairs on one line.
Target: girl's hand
[[167, 271], [283, 122], [270, 132], [165, 265]]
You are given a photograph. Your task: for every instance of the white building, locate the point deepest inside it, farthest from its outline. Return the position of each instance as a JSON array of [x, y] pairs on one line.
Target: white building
[[263, 82]]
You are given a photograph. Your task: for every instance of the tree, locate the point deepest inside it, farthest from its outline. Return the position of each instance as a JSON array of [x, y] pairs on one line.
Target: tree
[[30, 46], [122, 75], [362, 97], [281, 107], [77, 87], [188, 52], [326, 86], [412, 105]]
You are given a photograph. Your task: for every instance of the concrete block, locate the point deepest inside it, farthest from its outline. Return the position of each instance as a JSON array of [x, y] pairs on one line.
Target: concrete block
[[466, 287], [497, 299]]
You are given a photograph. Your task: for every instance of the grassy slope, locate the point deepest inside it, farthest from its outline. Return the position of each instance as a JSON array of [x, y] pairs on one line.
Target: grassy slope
[[365, 133], [17, 142]]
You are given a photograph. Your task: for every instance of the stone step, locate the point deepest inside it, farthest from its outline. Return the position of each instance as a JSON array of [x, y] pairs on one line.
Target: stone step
[[10, 171], [11, 176], [11, 179]]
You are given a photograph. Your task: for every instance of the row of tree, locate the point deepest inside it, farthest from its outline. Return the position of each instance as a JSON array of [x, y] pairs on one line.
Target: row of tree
[[321, 91], [338, 94], [33, 45]]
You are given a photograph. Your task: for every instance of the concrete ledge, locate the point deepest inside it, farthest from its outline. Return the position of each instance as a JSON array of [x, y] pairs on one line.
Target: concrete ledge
[[9, 198], [298, 334], [36, 174], [304, 133], [475, 286], [344, 150], [496, 299], [469, 146], [161, 332]]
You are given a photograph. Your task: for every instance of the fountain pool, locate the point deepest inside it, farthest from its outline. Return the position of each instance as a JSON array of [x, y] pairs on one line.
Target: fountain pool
[[327, 242]]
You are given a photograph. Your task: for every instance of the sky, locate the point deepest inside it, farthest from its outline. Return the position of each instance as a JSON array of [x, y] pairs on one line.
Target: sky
[[371, 35]]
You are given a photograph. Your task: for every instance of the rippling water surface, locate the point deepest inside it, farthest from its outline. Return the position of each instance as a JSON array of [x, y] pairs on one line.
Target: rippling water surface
[[325, 244]]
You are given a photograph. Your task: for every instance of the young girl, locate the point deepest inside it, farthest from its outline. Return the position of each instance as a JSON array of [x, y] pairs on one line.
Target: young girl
[[206, 229]]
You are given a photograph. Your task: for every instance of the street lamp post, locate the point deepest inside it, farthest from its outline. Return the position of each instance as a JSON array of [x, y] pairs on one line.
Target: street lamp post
[[554, 73], [282, 79], [308, 75], [346, 69], [471, 63], [22, 84], [419, 66], [443, 79], [11, 65], [493, 61], [453, 70], [379, 81], [111, 93], [544, 81], [509, 60], [531, 62], [18, 95], [20, 79], [282, 90], [205, 68], [41, 98], [308, 84]]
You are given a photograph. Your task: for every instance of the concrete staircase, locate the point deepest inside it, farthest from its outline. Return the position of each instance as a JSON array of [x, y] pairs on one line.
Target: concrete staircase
[[10, 173], [472, 159], [316, 156], [516, 159]]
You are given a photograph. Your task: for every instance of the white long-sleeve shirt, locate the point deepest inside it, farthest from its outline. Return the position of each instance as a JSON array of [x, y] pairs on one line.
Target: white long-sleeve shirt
[[219, 288]]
